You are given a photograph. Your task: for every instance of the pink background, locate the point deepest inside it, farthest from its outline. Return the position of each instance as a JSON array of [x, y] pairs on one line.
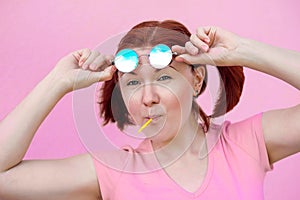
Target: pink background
[[35, 34]]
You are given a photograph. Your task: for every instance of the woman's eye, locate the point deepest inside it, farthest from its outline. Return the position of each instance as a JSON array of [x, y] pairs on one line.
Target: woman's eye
[[133, 82], [163, 78]]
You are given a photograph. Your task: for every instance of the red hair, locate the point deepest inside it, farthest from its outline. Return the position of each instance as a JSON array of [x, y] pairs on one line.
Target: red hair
[[171, 33]]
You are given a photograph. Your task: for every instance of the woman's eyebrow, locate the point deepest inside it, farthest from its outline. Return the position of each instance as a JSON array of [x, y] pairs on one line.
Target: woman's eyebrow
[[173, 67], [157, 70], [133, 73]]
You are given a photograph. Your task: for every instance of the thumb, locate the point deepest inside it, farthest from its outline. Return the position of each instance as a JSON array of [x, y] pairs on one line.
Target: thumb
[[104, 75], [202, 58], [85, 78]]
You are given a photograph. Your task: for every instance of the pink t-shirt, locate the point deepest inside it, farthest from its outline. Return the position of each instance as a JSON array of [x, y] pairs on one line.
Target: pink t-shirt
[[237, 165]]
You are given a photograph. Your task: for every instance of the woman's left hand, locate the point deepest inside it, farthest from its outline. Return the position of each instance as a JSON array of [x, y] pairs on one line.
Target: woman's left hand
[[210, 45]]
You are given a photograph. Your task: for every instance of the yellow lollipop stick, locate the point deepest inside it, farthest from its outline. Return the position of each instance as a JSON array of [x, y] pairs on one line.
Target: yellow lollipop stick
[[144, 126]]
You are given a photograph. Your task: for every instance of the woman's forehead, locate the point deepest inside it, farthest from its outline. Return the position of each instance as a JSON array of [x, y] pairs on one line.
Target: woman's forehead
[[177, 66], [142, 50]]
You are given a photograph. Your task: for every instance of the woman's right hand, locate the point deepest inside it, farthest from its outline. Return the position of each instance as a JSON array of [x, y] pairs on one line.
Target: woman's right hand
[[82, 68]]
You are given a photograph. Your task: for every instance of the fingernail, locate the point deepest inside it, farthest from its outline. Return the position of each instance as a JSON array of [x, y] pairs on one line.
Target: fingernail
[[81, 60], [109, 62], [113, 69], [207, 40], [179, 59], [93, 65], [204, 47], [85, 66], [195, 51]]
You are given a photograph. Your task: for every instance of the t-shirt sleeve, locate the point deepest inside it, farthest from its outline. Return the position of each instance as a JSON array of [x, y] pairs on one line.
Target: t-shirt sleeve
[[108, 166], [248, 135], [105, 182]]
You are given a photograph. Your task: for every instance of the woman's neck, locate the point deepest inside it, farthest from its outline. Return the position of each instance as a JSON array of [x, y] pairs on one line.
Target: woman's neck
[[187, 142]]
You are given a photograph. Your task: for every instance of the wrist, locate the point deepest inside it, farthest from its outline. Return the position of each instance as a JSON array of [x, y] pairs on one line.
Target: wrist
[[60, 85], [248, 52]]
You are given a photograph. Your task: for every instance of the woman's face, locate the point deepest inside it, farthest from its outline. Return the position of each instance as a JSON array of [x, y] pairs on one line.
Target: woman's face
[[164, 95]]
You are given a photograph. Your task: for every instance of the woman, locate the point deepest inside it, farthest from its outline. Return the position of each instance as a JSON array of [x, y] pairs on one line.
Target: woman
[[237, 164]]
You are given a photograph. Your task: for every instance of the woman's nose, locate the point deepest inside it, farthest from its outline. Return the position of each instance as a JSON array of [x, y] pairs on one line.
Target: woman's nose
[[150, 95]]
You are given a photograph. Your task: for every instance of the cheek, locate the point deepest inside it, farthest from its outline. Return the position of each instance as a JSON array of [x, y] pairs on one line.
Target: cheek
[[171, 101], [180, 95], [180, 108], [134, 104], [132, 100], [178, 105]]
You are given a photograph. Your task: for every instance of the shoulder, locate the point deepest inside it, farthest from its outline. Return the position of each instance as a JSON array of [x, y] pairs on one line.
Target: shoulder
[[247, 135], [244, 132], [250, 124]]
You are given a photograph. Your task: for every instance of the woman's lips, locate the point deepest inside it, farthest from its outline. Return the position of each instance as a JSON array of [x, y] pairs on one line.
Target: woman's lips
[[153, 117]]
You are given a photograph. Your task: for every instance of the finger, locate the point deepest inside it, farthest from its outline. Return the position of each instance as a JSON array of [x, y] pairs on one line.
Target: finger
[[90, 59], [202, 33], [178, 49], [98, 63], [109, 59], [202, 58], [191, 49], [104, 75], [197, 42], [77, 55], [84, 54]]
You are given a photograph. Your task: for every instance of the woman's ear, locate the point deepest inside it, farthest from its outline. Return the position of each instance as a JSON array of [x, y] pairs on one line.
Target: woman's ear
[[199, 75]]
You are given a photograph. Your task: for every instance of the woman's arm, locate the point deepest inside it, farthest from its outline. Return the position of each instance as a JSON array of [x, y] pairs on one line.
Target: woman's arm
[[281, 127], [19, 126], [70, 178], [17, 130], [281, 63], [215, 46], [218, 47]]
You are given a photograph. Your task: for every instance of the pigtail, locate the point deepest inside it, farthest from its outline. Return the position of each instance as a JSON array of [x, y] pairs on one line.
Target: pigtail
[[232, 82], [232, 79]]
